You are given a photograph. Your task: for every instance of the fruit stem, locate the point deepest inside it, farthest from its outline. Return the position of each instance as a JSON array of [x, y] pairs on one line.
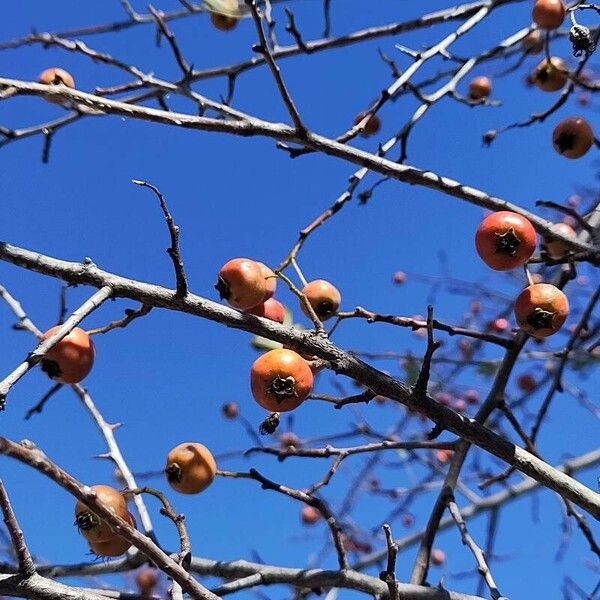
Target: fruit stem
[[299, 272]]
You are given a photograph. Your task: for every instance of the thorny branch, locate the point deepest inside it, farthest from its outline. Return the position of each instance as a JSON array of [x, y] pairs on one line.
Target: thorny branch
[[478, 431]]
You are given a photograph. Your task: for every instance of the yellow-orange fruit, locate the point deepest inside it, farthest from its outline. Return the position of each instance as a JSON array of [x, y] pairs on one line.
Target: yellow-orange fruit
[[190, 468], [323, 297], [71, 360], [541, 309], [556, 248], [91, 526], [280, 380]]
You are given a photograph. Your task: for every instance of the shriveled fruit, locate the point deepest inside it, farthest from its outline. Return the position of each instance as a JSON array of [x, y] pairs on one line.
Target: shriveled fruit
[[310, 515], [280, 380], [371, 127], [323, 297], [533, 42], [541, 309], [573, 137], [551, 74], [556, 248], [549, 14], [225, 20], [270, 309], [90, 525], [71, 360], [116, 545], [190, 468], [242, 283], [505, 240], [479, 88]]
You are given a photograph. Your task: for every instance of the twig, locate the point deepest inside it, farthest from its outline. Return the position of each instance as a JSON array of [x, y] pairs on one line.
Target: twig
[[183, 65], [185, 552], [468, 541], [317, 503], [26, 566], [263, 48], [174, 251], [24, 321], [130, 315], [423, 379], [37, 409], [389, 575]]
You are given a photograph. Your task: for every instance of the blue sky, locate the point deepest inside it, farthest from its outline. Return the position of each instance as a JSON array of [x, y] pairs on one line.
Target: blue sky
[[167, 375]]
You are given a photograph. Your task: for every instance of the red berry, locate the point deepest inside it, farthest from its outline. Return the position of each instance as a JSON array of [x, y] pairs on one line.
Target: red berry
[[505, 240]]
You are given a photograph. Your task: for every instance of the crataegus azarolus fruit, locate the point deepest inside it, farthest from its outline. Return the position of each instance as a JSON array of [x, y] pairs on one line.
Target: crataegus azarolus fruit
[[147, 580], [371, 127], [572, 137], [91, 526], [71, 359], [116, 545], [323, 297], [555, 248], [505, 240], [225, 19], [243, 283], [541, 309], [190, 468], [56, 76], [270, 309], [480, 88], [551, 74], [310, 515], [549, 14], [280, 380]]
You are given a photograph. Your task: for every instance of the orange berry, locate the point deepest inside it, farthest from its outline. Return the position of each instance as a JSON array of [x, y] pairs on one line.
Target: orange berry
[[71, 360], [280, 380], [190, 468]]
